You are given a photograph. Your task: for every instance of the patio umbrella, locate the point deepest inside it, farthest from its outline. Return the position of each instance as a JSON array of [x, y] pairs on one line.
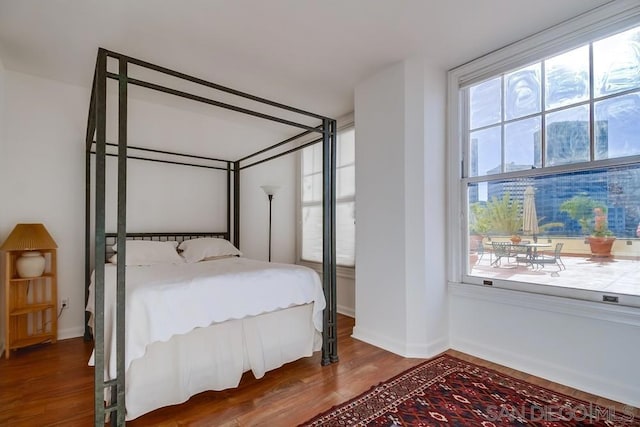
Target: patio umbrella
[[529, 215]]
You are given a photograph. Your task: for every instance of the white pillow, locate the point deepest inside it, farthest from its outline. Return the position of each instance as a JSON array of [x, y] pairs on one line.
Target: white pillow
[[150, 252], [195, 250]]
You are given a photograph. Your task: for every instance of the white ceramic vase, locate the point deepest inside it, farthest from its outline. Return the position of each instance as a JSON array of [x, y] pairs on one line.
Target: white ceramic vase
[[30, 264]]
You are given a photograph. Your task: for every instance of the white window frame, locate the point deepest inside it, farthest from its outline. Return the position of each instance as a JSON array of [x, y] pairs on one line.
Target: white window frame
[[598, 23], [343, 123]]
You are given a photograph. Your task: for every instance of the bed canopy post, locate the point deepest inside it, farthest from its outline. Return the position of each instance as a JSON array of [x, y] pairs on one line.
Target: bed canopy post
[[98, 119], [99, 249], [229, 200], [333, 129], [89, 139], [87, 239], [236, 204], [329, 336], [91, 129], [118, 390]]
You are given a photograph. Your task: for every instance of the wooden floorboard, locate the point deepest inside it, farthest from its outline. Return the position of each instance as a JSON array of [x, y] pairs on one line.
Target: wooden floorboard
[[51, 385]]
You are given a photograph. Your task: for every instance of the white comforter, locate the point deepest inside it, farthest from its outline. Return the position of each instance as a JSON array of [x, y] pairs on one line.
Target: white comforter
[[167, 300]]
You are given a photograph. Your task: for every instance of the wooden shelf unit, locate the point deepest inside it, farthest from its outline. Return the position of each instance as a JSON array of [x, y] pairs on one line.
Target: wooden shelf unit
[[30, 304]]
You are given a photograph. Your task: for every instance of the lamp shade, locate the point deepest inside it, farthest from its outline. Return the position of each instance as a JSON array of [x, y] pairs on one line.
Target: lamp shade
[[28, 237], [270, 190]]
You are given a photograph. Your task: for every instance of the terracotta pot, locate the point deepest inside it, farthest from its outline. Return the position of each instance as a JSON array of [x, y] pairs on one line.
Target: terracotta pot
[[515, 239], [475, 240], [473, 258], [601, 246]]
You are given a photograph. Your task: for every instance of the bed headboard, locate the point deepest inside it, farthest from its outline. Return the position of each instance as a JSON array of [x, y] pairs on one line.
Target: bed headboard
[[112, 238]]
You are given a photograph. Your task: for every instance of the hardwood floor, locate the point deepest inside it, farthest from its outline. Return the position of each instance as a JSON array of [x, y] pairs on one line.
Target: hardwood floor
[[51, 385]]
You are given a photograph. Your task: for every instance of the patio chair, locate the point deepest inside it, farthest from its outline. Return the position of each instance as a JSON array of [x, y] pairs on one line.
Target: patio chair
[[480, 251], [543, 259], [525, 257], [500, 250]]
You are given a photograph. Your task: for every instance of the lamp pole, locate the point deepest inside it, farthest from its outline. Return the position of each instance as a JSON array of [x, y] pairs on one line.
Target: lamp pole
[[269, 190]]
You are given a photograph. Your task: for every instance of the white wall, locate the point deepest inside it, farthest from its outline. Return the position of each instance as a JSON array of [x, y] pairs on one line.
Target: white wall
[[254, 210], [380, 252], [346, 296], [400, 285], [3, 182], [44, 168], [3, 156], [589, 346], [163, 197], [425, 203]]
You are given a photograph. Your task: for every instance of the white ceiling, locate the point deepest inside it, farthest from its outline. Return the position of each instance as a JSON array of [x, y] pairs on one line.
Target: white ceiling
[[305, 53]]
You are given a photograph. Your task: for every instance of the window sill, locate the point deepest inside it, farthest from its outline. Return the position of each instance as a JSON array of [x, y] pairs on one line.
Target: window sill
[[341, 271], [549, 303]]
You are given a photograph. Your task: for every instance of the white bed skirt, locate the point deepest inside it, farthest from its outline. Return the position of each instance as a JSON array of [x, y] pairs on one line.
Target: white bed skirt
[[215, 357]]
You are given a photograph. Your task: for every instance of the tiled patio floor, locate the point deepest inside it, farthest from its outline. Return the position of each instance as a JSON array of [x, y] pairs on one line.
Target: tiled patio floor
[[610, 275]]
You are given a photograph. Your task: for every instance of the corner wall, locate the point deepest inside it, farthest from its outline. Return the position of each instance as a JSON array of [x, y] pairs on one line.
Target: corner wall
[[401, 300]]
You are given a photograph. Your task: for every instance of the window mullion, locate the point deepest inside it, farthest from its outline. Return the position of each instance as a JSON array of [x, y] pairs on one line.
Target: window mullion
[[592, 140], [464, 132], [543, 115], [503, 144]]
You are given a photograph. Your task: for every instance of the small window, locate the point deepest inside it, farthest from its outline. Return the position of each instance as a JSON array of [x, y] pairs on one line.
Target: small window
[[345, 200]]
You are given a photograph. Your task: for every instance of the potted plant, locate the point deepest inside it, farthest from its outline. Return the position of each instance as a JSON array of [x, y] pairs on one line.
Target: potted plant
[[478, 225], [592, 217], [473, 258], [477, 231], [504, 216], [601, 238]]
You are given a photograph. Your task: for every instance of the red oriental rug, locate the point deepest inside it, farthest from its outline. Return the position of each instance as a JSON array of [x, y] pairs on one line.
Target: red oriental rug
[[447, 391]]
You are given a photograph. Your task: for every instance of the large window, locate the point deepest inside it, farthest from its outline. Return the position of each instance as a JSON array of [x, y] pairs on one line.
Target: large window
[[345, 200], [551, 155]]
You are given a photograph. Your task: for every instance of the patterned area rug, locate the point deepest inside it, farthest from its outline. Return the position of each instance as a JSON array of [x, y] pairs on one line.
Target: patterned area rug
[[447, 391]]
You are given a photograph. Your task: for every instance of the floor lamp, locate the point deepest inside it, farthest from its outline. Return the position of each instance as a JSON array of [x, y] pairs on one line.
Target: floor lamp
[[270, 190]]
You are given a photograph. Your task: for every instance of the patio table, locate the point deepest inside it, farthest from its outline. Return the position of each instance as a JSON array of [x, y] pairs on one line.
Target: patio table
[[507, 249]]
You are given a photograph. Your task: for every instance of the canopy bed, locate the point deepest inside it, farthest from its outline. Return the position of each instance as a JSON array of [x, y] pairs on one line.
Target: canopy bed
[[160, 282]]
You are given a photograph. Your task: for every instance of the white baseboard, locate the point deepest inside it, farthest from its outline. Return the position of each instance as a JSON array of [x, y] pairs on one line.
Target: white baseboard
[[377, 340], [422, 351], [600, 386], [67, 333], [347, 311], [63, 334]]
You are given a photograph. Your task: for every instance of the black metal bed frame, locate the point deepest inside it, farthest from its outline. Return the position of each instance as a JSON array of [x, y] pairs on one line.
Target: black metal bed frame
[[111, 239], [97, 145]]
